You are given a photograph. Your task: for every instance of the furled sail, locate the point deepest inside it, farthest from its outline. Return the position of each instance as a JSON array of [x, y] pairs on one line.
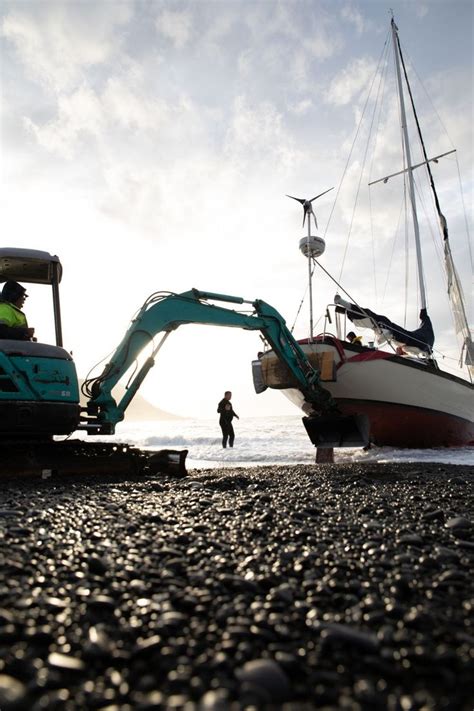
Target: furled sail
[[454, 286], [419, 341], [455, 293], [456, 299]]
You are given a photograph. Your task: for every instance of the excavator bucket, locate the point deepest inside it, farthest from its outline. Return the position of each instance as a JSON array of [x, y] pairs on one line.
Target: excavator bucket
[[168, 461], [328, 431]]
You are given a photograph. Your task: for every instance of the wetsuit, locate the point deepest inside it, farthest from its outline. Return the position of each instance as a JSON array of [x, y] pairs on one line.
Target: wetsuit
[[227, 414]]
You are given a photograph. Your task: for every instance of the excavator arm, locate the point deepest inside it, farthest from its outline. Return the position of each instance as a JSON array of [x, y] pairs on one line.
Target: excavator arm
[[165, 312]]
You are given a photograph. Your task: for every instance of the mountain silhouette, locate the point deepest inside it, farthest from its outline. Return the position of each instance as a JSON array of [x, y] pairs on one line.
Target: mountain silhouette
[[139, 408]]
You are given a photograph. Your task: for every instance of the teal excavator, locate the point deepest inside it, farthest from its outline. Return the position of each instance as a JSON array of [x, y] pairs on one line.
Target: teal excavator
[[39, 388]]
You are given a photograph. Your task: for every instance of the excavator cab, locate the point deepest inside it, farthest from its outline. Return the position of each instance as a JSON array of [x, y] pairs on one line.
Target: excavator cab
[[39, 395], [33, 266]]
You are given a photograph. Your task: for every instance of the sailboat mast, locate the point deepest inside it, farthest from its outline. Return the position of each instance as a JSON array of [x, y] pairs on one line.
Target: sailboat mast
[[311, 246], [310, 280], [411, 182]]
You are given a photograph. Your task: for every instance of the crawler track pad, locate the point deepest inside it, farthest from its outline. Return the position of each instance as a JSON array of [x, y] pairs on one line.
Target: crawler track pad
[[82, 457]]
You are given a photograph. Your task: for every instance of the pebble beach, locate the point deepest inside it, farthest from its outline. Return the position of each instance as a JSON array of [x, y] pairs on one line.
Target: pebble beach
[[341, 586]]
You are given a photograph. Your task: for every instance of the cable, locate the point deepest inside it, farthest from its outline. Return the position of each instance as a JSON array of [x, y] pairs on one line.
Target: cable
[[339, 286], [465, 214], [364, 158], [346, 166]]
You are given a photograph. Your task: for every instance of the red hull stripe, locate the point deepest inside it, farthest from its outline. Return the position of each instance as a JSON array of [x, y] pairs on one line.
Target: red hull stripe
[[394, 425]]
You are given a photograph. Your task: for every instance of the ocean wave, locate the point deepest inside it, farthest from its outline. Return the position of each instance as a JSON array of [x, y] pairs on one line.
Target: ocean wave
[[264, 441], [178, 441]]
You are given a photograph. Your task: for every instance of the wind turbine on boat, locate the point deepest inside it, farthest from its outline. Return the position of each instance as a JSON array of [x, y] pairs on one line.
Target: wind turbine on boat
[[311, 246]]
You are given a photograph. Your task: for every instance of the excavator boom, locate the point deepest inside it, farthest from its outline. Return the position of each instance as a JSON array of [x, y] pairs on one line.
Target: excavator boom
[[165, 312]]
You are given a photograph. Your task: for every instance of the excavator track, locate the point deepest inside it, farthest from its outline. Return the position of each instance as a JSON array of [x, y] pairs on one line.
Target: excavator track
[[53, 458]]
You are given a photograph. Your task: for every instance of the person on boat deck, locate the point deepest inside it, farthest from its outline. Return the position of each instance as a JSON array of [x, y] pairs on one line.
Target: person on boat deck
[[13, 323], [227, 414], [352, 338]]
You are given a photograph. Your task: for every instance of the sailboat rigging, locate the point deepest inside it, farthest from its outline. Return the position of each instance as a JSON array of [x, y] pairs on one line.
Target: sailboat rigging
[[408, 399]]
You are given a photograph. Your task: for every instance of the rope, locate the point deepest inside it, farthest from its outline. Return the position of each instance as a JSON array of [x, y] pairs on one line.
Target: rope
[[394, 242], [376, 73], [465, 214], [345, 169], [300, 306]]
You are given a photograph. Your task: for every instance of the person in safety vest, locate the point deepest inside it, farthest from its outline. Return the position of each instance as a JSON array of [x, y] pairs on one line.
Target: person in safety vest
[[13, 323]]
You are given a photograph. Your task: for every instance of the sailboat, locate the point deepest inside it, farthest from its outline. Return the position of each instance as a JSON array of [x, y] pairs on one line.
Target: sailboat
[[395, 382]]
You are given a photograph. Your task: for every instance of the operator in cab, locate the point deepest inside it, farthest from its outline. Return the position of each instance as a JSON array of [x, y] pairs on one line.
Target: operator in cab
[[13, 323], [352, 338]]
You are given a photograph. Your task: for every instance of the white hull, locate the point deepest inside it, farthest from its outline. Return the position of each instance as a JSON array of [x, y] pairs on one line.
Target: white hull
[[408, 403]]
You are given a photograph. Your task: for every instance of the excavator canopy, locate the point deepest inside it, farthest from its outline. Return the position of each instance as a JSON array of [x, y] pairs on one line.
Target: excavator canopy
[[30, 265]]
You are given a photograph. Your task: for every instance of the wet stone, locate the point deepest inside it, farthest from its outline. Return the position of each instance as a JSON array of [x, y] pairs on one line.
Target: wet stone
[[148, 645], [343, 633], [144, 701], [305, 591], [19, 531], [65, 661], [284, 593], [217, 700], [100, 643], [101, 602], [265, 678], [98, 566], [56, 603], [445, 554], [12, 692], [437, 515], [9, 513], [410, 539], [458, 523], [6, 616], [452, 575]]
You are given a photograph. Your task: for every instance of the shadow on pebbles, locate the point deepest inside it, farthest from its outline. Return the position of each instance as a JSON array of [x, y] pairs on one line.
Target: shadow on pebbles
[[303, 587]]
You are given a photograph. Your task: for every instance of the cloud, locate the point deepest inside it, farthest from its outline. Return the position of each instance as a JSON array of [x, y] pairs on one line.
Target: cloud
[[257, 136], [348, 84], [57, 43], [219, 26], [352, 15], [124, 114], [324, 44], [421, 9], [175, 26], [301, 107], [127, 104], [80, 116], [287, 45]]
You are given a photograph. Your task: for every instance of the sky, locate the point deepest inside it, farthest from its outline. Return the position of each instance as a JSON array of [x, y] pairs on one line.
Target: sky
[[151, 146]]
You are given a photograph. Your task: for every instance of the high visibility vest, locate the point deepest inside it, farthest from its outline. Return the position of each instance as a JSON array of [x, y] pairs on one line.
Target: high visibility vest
[[11, 316]]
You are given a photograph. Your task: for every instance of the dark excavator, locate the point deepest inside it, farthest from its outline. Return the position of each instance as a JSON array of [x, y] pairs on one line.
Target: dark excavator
[[39, 387]]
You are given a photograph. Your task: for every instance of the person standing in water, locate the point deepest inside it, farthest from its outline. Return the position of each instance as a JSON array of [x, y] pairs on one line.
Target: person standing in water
[[227, 414]]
